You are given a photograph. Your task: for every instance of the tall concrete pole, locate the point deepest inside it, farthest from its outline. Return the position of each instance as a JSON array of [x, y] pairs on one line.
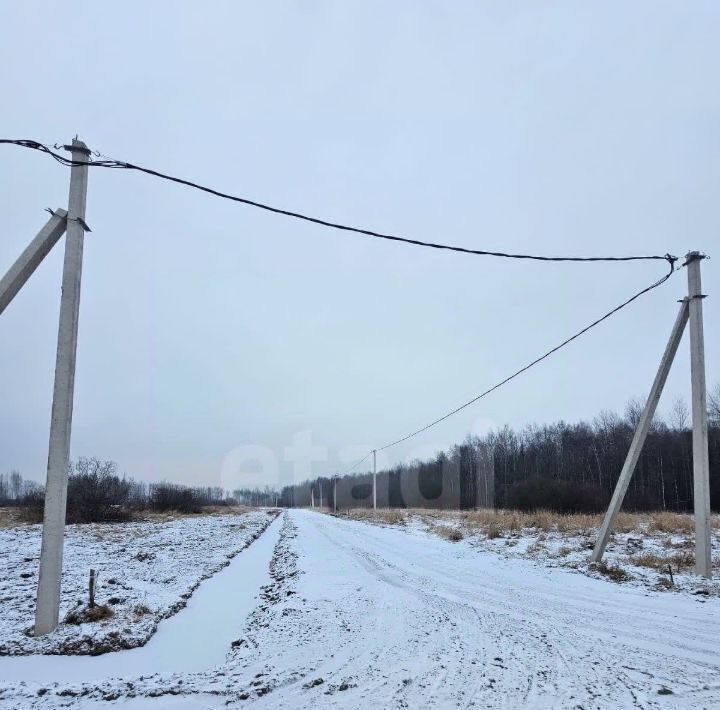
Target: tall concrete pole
[[31, 257], [641, 432], [51, 554], [701, 464], [335, 494], [374, 479]]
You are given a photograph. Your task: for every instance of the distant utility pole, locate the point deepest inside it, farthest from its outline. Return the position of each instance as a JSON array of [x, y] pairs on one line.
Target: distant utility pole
[[690, 310], [312, 497], [374, 479], [51, 554], [335, 494]]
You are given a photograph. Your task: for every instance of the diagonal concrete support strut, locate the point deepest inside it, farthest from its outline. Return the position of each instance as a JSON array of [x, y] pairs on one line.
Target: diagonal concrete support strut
[[641, 432], [31, 258]]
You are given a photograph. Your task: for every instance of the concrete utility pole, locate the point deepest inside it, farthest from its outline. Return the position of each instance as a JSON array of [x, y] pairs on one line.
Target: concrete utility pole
[[31, 257], [51, 555], [690, 311], [335, 494], [374, 479], [312, 498], [641, 433], [701, 465]]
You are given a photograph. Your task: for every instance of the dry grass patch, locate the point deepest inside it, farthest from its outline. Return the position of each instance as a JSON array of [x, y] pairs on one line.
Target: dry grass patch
[[670, 523], [390, 516], [140, 610], [686, 543], [493, 531], [676, 561], [500, 522], [99, 612], [536, 548], [11, 517], [664, 583], [614, 572], [152, 516]]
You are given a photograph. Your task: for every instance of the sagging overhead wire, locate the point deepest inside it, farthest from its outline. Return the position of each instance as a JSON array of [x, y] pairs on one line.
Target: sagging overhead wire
[[537, 360], [106, 162]]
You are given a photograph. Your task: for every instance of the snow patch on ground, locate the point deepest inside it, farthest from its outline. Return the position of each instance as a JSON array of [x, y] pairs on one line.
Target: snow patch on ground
[[231, 681], [147, 572], [363, 616], [638, 557]]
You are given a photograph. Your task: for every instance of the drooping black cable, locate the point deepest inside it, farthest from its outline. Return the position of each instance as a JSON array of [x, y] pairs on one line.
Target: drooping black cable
[[355, 465], [106, 162], [119, 164], [569, 340]]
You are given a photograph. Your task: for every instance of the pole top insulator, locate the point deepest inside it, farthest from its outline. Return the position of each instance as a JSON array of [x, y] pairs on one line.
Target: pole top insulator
[[77, 145], [694, 256]]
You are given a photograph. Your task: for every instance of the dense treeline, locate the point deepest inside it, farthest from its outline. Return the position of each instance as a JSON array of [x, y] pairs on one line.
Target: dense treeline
[[563, 467]]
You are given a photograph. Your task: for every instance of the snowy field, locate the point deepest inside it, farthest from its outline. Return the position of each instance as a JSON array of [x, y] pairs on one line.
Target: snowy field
[[348, 614], [653, 550], [147, 571]]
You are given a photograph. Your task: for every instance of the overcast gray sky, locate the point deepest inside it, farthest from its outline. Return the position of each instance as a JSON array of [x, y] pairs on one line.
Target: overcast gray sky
[[211, 332]]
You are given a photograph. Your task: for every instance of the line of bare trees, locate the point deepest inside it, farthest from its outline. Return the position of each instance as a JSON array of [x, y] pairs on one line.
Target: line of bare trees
[[97, 493], [561, 466], [565, 467], [257, 496]]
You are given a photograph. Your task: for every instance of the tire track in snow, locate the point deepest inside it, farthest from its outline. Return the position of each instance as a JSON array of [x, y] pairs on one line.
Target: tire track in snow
[[505, 594], [456, 651], [377, 617], [566, 654]]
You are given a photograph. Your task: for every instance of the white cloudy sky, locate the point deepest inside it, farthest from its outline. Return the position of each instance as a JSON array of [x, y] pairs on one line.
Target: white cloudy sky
[[210, 331]]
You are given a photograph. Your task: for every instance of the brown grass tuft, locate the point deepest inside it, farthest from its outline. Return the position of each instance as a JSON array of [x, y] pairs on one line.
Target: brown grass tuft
[[140, 610], [493, 531], [452, 534], [87, 614], [614, 572]]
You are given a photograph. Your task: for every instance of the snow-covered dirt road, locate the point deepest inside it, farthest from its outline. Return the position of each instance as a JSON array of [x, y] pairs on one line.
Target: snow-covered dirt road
[[362, 616]]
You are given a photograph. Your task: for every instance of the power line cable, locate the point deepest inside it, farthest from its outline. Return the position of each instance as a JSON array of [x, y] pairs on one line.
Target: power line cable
[[106, 162], [356, 464], [569, 340]]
